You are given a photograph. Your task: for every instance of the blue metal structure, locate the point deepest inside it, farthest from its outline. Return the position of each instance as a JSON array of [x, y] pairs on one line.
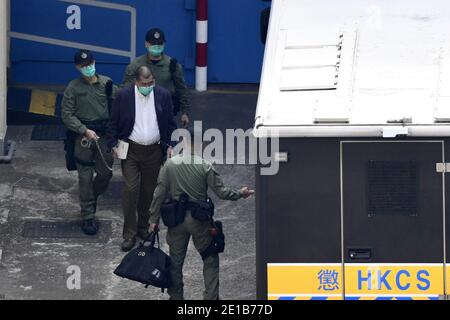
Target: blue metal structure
[[44, 33]]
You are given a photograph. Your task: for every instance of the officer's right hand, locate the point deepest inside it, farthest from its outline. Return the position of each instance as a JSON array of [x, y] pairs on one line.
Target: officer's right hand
[[246, 192], [154, 227], [91, 135]]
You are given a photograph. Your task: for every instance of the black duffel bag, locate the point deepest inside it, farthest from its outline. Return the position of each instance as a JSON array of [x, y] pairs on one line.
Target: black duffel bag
[[147, 264]]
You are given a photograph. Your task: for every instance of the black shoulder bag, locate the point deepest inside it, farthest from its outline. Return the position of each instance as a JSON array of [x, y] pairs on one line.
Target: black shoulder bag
[[175, 99], [217, 244], [109, 91], [69, 147], [204, 211], [173, 212]]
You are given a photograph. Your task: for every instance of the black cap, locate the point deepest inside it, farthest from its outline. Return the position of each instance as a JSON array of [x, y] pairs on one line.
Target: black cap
[[83, 57], [155, 36]]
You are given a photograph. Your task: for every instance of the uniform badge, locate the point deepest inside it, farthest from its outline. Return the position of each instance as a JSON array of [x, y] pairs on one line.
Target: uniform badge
[[83, 55], [157, 35]]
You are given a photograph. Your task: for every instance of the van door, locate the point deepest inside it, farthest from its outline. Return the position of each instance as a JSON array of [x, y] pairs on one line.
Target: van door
[[392, 219]]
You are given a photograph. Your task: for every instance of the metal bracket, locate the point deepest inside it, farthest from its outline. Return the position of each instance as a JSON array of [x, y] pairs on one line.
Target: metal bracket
[[442, 167], [394, 131], [281, 157], [7, 155]]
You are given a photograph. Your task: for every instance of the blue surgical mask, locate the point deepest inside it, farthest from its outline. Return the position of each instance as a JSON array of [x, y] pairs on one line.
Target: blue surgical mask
[[156, 50], [145, 91], [88, 71]]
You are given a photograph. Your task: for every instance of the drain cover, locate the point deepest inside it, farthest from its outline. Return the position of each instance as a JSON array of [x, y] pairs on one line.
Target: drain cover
[[49, 133], [64, 230]]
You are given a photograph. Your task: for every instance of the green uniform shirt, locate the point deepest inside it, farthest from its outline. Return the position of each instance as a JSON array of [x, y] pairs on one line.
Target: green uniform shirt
[[85, 102], [161, 72], [192, 175]]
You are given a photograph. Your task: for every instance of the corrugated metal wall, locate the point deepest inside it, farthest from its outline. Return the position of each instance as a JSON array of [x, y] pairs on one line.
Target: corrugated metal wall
[[235, 51]]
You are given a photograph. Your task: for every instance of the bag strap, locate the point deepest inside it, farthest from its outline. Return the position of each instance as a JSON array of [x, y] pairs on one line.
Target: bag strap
[[153, 237], [157, 240], [109, 91], [211, 219], [213, 222], [173, 67], [149, 238]]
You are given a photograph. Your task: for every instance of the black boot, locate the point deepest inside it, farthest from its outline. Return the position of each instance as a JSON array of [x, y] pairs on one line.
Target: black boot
[[90, 227], [128, 244]]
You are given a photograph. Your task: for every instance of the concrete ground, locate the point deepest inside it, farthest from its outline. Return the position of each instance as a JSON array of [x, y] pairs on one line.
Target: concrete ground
[[36, 185]]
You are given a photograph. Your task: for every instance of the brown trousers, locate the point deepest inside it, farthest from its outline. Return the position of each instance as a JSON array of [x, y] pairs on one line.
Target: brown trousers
[[140, 171]]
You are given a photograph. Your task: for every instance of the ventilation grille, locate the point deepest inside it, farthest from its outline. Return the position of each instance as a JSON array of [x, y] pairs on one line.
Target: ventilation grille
[[310, 66], [392, 187]]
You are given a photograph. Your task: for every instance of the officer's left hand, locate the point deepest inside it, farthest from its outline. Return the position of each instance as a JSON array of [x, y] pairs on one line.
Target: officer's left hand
[[91, 135], [153, 227], [184, 120]]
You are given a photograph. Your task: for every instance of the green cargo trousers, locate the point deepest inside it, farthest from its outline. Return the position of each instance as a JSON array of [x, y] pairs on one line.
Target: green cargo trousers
[[90, 163], [178, 241]]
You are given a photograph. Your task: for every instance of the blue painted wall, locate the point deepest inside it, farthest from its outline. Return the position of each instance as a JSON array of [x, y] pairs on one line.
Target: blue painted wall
[[235, 52]]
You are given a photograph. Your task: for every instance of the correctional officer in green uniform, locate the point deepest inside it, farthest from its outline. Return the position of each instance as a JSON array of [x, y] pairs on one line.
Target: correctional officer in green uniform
[[168, 76], [85, 112], [189, 174]]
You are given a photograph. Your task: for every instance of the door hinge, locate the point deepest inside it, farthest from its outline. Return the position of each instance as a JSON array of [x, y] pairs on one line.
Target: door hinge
[[442, 167], [281, 157]]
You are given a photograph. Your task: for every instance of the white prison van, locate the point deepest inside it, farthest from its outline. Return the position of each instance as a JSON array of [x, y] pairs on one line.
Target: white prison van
[[358, 94]]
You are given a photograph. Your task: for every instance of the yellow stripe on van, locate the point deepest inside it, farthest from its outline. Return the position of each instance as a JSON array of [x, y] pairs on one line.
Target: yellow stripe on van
[[447, 273], [394, 279], [363, 281], [304, 279]]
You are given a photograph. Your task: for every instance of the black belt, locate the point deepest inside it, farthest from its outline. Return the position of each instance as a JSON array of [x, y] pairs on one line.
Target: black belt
[[141, 145], [98, 126]]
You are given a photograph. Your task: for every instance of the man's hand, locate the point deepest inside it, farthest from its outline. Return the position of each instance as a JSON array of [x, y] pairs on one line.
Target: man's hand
[[169, 152], [184, 120], [91, 135], [115, 153], [154, 227], [246, 192]]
